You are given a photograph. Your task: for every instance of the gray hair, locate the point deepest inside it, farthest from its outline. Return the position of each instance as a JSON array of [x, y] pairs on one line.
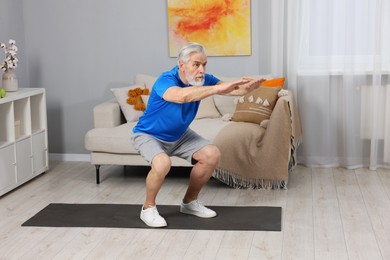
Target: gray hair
[[186, 51]]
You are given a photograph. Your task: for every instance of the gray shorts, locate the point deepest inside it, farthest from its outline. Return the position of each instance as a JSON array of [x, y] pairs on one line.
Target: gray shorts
[[149, 146]]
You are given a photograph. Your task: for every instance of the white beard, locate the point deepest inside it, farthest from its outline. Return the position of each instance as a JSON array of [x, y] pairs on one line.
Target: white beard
[[194, 81]]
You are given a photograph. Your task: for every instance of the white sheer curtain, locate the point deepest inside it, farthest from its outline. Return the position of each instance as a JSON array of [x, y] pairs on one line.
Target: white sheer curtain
[[335, 55]]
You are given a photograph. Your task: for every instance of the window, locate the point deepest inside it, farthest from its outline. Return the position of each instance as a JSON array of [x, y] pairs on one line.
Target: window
[[339, 35]]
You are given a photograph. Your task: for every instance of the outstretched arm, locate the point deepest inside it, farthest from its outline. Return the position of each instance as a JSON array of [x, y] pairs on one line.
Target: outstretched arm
[[195, 93], [229, 88]]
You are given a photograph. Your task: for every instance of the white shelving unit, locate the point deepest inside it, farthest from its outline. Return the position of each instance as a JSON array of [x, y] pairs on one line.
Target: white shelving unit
[[23, 137]]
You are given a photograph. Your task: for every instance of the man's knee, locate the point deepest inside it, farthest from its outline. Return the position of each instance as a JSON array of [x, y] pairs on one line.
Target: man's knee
[[209, 154], [161, 164]]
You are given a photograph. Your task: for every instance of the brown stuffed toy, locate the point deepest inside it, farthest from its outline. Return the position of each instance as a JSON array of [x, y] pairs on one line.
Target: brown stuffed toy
[[135, 98]]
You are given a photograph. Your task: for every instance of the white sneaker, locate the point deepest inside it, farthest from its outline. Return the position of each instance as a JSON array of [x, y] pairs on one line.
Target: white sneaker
[[152, 218], [196, 208]]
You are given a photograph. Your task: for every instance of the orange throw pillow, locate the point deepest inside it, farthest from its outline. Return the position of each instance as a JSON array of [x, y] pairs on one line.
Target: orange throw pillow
[[279, 82]]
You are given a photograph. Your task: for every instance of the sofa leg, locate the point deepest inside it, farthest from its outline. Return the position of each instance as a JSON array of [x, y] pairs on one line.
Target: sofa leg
[[97, 174]]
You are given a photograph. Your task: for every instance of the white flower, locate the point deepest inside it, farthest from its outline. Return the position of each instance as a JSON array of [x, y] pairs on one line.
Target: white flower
[[10, 61]]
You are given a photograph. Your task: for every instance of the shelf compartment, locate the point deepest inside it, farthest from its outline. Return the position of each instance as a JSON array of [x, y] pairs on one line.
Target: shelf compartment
[[7, 134], [22, 118], [38, 113]]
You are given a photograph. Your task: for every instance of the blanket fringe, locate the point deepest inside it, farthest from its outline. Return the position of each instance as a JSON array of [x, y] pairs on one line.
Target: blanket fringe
[[239, 182]]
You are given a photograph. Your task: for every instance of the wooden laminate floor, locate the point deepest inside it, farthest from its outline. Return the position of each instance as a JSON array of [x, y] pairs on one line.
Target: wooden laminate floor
[[328, 213]]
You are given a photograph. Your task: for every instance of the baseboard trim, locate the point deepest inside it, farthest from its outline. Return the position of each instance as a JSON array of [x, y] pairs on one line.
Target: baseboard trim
[[69, 157]]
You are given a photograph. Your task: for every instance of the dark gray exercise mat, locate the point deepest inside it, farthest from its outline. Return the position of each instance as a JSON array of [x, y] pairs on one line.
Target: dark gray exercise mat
[[127, 216]]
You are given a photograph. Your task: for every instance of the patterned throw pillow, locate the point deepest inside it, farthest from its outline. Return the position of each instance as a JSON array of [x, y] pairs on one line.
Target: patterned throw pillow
[[257, 105]]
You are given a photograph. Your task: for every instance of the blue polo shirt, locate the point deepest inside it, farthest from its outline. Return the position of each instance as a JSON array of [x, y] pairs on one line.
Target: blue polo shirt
[[167, 120]]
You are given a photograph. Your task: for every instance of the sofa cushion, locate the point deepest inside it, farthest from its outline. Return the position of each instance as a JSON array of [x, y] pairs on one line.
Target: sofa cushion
[[208, 127], [257, 105], [207, 109], [111, 140], [121, 95], [225, 104]]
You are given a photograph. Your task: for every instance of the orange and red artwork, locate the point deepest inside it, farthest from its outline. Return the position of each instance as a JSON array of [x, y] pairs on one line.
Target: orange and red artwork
[[222, 26]]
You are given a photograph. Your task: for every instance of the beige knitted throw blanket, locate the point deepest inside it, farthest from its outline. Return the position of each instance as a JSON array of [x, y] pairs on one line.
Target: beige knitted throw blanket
[[256, 157]]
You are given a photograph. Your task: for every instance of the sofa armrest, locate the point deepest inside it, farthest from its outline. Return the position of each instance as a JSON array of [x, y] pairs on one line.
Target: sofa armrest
[[107, 114]]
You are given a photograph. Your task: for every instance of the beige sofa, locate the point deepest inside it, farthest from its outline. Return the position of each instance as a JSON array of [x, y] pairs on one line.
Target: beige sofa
[[109, 141]]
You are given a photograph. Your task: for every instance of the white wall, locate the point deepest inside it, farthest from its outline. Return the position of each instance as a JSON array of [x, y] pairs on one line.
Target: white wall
[[78, 50]]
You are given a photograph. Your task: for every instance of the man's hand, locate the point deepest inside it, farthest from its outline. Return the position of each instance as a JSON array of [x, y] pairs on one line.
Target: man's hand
[[226, 87], [240, 87], [252, 85]]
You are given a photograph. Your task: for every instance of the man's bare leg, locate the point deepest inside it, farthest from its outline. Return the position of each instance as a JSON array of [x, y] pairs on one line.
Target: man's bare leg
[[160, 167], [207, 159]]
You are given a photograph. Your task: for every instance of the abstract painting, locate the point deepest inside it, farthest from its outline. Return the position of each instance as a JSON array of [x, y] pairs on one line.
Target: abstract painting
[[222, 26]]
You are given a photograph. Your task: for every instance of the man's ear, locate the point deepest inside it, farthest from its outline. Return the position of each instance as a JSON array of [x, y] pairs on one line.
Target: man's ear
[[181, 65]]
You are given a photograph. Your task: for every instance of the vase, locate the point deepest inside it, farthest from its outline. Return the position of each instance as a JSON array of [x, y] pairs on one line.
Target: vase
[[9, 81]]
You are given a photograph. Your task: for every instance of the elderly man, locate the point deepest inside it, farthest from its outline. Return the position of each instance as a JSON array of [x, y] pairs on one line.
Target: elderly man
[[163, 130]]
